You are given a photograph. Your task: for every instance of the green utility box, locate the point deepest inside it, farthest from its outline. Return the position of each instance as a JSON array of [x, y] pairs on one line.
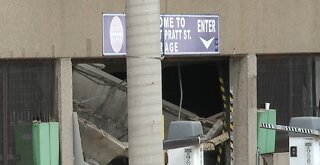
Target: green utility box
[[54, 143], [23, 140], [266, 137], [45, 138]]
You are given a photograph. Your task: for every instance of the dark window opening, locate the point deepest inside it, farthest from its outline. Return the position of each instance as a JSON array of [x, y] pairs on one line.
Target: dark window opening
[[287, 83], [200, 84], [27, 94]]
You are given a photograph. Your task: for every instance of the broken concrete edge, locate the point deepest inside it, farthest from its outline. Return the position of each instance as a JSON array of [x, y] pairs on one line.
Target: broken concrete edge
[[124, 145], [100, 75], [168, 108], [84, 113], [99, 145]]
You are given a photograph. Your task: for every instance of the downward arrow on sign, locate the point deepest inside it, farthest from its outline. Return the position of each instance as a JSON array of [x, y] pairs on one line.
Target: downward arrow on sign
[[206, 43]]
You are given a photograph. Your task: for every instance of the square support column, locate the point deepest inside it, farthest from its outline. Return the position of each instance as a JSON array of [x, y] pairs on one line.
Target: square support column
[[243, 79], [65, 108]]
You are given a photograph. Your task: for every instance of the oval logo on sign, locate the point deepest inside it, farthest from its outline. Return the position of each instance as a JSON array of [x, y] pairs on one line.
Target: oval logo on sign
[[116, 34]]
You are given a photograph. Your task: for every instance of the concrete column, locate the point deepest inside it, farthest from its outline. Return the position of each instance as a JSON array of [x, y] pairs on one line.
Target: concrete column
[[243, 79], [144, 82], [64, 108]]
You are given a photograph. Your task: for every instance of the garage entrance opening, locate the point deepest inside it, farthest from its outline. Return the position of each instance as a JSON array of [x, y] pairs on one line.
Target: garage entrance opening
[[100, 90]]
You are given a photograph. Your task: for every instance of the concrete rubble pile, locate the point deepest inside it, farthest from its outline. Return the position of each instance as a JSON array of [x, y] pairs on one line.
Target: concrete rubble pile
[[100, 100]]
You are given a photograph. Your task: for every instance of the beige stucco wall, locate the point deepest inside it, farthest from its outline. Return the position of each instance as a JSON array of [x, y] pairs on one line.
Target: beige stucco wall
[[281, 158], [255, 26], [73, 28], [30, 28]]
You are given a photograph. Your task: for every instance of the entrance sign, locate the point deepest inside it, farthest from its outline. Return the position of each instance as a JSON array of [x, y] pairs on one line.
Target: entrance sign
[[179, 34], [189, 34]]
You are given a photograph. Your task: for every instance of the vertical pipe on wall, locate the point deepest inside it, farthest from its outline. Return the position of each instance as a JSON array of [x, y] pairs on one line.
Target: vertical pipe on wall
[[144, 82]]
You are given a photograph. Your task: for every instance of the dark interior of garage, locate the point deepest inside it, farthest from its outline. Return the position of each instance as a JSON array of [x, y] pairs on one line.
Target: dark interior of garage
[[200, 87], [200, 84]]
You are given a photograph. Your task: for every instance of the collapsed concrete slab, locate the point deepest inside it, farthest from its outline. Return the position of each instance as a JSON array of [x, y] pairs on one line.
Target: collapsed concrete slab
[[99, 145], [101, 99]]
